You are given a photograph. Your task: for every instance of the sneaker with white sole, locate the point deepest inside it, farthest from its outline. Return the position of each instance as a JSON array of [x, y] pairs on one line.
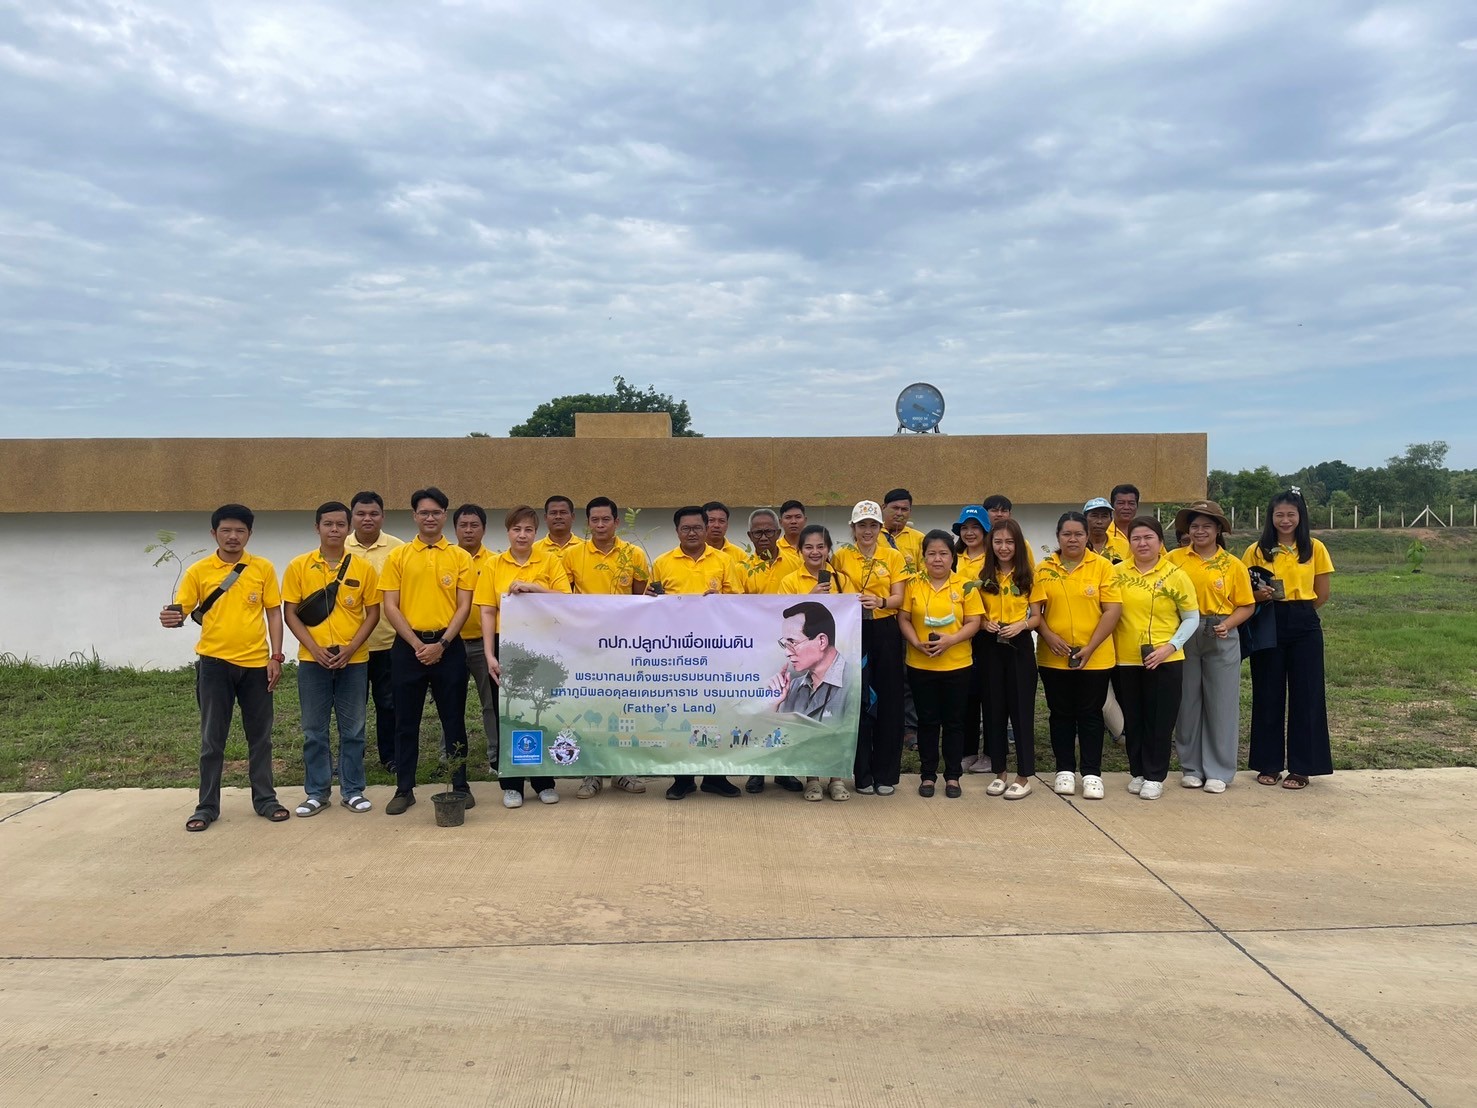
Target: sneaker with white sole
[[1213, 785], [512, 798], [1152, 790], [1190, 781], [1066, 783], [548, 796], [1092, 787], [886, 790], [1135, 784]]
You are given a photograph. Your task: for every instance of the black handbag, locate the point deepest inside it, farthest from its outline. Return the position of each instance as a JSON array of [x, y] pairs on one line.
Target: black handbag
[[314, 608]]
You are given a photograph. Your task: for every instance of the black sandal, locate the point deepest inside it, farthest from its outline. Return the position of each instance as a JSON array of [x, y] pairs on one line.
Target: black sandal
[[1295, 781], [200, 820], [278, 814]]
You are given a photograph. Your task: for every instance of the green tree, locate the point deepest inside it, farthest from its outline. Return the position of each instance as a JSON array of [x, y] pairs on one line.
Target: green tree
[[1419, 475], [554, 419], [1253, 488]]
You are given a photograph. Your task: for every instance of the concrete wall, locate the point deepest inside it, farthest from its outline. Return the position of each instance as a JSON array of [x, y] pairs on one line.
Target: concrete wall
[[81, 582]]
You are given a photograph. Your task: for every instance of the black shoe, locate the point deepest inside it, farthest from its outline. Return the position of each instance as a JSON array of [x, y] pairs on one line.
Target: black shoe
[[680, 788], [790, 784], [953, 791], [471, 800], [755, 785], [925, 789], [399, 803], [388, 767], [720, 786]]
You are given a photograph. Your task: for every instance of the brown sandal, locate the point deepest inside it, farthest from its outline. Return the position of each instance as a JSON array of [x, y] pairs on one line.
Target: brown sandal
[[1295, 781], [1266, 779]]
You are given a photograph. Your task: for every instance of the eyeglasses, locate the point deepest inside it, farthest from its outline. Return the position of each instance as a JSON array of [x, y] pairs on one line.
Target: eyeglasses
[[791, 641], [767, 533], [436, 514], [695, 529]]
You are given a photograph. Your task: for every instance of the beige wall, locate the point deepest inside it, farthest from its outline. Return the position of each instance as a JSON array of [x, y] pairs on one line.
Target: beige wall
[[156, 475]]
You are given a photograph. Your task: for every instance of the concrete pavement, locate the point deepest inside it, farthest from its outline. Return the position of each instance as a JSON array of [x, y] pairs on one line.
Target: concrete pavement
[[1259, 947]]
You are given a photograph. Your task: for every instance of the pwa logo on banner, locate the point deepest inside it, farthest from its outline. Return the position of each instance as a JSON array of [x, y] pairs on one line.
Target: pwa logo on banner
[[528, 748]]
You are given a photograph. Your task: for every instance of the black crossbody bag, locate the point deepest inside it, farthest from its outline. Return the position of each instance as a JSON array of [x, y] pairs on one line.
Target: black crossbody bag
[[314, 608]]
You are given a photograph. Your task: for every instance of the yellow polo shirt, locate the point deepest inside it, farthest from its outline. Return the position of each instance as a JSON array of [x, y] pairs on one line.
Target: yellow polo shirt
[[357, 592], [876, 575], [1009, 605], [1074, 604], [785, 544], [908, 542], [427, 579], [1296, 577], [801, 580], [1221, 582], [941, 608], [759, 576], [547, 545], [233, 630], [1152, 603], [610, 574], [1115, 548], [1118, 542], [376, 554], [472, 629], [680, 574], [733, 550], [967, 566], [542, 568]]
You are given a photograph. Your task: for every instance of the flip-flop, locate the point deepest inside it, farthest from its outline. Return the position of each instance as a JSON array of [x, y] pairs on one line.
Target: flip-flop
[[199, 821], [1295, 781], [1266, 779]]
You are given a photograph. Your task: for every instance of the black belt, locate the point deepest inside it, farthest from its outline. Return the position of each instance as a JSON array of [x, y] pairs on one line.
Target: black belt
[[430, 636]]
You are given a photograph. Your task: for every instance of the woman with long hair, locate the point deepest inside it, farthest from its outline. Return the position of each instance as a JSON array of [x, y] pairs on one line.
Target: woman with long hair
[[1009, 658], [877, 573], [942, 615], [1289, 705], [1160, 614], [1074, 652], [815, 575], [973, 530], [1207, 734]]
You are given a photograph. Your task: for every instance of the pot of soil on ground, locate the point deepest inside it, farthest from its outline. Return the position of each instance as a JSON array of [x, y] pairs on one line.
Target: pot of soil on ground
[[451, 806]]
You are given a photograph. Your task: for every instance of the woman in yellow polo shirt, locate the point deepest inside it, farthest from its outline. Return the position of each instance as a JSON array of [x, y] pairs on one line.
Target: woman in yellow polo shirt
[[816, 575], [1074, 652], [940, 617], [1010, 659], [973, 530], [1208, 732], [518, 569], [1160, 613], [876, 572], [1289, 706]]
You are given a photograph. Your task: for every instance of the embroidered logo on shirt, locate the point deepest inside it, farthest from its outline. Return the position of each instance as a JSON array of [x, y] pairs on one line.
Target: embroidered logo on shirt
[[1090, 590], [446, 580]]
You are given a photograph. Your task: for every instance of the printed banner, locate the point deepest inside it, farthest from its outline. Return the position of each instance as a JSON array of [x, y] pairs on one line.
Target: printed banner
[[653, 686]]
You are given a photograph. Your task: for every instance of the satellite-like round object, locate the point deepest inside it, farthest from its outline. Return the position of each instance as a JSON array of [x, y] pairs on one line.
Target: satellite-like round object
[[920, 408]]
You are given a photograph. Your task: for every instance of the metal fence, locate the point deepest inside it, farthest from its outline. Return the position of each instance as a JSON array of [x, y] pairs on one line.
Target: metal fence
[[1378, 518]]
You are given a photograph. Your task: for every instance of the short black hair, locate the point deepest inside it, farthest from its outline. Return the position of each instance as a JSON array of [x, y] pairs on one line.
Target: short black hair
[[818, 619], [430, 492], [239, 512], [995, 502], [326, 508], [1112, 496], [555, 499], [898, 494], [690, 510], [717, 506], [790, 506], [1147, 521], [602, 502], [470, 510], [938, 534], [368, 496]]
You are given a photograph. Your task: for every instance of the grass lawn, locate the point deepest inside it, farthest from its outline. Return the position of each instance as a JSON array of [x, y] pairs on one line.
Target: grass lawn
[[1402, 690]]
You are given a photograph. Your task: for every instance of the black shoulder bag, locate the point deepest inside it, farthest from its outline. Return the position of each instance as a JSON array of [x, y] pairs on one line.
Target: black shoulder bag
[[314, 608], [198, 615]]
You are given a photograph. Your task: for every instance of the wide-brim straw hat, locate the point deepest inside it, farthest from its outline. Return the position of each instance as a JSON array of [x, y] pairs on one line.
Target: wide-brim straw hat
[[1200, 508]]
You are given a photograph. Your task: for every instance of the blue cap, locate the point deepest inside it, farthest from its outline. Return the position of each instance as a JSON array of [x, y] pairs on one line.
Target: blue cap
[[972, 512], [1094, 504]]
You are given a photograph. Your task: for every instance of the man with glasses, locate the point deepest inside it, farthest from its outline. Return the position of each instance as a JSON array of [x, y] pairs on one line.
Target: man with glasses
[[426, 593], [470, 524], [762, 572], [694, 568], [813, 681], [370, 542]]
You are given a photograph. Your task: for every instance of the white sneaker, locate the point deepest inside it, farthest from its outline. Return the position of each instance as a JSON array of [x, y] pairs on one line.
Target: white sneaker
[[548, 796], [967, 761], [512, 798], [1214, 785], [1152, 790], [1135, 784], [1092, 787], [1066, 783], [1190, 781], [982, 765]]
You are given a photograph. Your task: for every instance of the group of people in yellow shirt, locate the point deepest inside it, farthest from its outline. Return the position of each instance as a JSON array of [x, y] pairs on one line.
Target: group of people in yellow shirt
[[948, 623]]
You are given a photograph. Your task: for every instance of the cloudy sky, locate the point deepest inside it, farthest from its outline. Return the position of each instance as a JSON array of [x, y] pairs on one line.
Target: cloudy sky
[[1254, 218]]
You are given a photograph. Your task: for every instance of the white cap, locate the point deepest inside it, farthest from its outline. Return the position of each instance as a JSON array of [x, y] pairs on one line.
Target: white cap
[[866, 509]]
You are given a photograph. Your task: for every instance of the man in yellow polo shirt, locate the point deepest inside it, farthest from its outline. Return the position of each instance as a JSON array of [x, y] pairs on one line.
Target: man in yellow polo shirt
[[470, 524], [370, 542], [761, 573], [559, 520], [998, 506], [229, 594], [1124, 500], [792, 522], [1103, 538], [718, 531], [339, 593], [426, 591], [694, 568], [897, 532]]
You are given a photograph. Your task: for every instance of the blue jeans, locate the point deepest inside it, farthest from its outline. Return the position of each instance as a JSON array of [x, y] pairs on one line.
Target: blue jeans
[[344, 692]]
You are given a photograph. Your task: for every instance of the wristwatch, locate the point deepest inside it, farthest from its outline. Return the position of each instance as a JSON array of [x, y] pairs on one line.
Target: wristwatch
[[279, 658], [444, 644]]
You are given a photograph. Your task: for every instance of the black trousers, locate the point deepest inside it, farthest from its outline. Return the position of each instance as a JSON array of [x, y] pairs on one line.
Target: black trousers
[[879, 739], [219, 687], [1074, 703], [976, 710], [1010, 690], [382, 695], [1289, 705], [1150, 699], [447, 681], [941, 698]]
